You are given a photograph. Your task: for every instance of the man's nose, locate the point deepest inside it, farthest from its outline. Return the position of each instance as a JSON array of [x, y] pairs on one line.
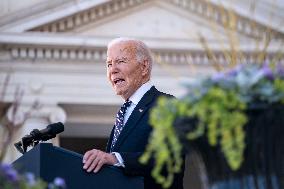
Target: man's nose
[[113, 69]]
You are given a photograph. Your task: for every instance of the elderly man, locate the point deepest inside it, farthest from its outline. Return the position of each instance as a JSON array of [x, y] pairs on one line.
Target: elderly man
[[129, 65]]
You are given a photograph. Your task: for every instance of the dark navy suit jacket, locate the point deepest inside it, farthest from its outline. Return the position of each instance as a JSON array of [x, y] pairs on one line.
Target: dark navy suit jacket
[[133, 139]]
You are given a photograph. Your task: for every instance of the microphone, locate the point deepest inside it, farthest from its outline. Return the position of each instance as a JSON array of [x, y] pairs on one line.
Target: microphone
[[39, 135]]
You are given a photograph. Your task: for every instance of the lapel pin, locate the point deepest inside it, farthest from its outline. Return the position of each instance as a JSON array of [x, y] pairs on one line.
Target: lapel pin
[[140, 110]]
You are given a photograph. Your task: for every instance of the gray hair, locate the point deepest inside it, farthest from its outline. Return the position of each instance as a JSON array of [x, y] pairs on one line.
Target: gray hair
[[142, 50]]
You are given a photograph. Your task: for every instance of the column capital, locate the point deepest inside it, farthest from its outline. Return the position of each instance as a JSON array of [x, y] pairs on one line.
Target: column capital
[[51, 113]]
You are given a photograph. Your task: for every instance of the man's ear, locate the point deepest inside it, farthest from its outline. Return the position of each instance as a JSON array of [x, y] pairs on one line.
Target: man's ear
[[145, 67]]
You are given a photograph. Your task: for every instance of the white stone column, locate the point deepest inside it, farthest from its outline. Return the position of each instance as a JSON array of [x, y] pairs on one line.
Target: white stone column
[[32, 118]]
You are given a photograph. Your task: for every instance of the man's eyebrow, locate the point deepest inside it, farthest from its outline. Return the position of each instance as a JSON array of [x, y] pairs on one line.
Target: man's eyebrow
[[122, 58], [117, 59]]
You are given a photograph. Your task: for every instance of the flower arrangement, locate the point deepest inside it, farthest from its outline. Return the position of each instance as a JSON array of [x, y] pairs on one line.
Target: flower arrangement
[[11, 179], [219, 104]]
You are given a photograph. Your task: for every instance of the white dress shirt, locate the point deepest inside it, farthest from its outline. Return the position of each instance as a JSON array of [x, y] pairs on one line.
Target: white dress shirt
[[135, 98]]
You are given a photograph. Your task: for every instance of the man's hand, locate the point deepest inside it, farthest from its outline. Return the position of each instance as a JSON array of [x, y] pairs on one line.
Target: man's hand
[[94, 159]]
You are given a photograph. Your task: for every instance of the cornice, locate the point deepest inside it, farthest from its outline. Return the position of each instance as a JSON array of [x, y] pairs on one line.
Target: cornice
[[58, 47]]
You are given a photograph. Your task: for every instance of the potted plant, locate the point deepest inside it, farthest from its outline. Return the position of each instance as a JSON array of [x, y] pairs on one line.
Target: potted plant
[[234, 119]]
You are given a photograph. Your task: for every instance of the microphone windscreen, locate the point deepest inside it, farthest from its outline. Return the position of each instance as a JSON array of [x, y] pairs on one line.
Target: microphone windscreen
[[55, 128]]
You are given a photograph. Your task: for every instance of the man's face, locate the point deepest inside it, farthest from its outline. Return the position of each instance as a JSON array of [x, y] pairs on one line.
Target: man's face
[[125, 74]]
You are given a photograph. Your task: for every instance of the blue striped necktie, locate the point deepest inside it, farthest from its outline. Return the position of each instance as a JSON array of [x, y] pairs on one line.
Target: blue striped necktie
[[119, 121]]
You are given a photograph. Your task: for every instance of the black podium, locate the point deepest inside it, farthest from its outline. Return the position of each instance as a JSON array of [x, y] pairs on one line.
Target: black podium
[[47, 162]]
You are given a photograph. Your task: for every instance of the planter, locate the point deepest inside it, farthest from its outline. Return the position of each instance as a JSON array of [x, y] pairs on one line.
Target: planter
[[263, 161]]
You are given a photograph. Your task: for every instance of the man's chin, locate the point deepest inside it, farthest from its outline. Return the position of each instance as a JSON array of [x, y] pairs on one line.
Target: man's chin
[[122, 94], [118, 92]]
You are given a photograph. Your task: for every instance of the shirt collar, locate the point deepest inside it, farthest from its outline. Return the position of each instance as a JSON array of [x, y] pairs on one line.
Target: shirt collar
[[139, 93]]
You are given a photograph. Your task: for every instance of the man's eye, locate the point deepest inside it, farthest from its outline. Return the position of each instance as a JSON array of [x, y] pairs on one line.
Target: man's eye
[[108, 65], [121, 61]]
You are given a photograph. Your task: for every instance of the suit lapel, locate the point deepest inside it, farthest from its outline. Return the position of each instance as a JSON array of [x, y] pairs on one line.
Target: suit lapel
[[136, 115]]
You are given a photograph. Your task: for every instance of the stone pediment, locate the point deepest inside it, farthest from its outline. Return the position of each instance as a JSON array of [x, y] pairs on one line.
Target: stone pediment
[[95, 17], [157, 20]]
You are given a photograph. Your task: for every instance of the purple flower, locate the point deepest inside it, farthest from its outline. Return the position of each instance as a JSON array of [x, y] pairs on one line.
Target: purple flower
[[233, 72], [50, 186], [12, 175], [218, 76], [9, 172], [30, 178], [267, 72], [5, 167], [59, 182]]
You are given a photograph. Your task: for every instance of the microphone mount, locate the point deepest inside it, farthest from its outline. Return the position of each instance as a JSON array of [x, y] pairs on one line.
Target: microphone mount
[[36, 136]]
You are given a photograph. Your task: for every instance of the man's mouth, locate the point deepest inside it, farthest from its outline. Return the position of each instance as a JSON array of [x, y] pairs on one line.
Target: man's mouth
[[118, 81]]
